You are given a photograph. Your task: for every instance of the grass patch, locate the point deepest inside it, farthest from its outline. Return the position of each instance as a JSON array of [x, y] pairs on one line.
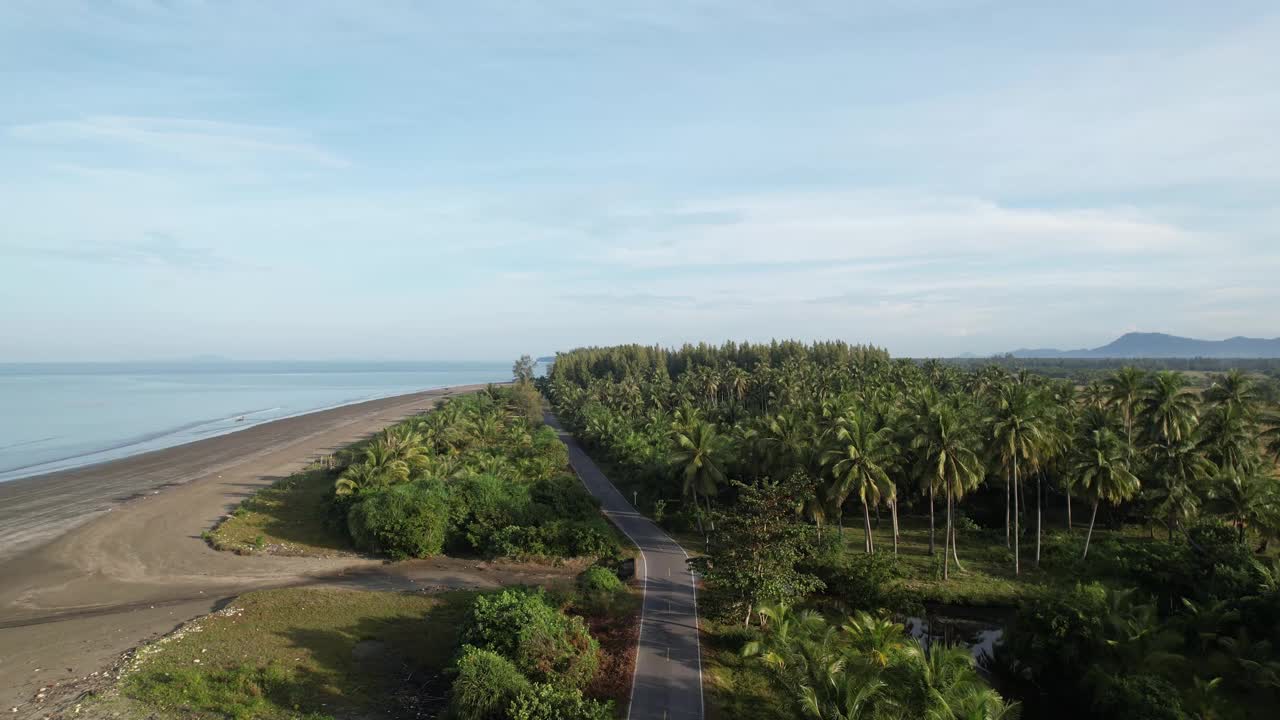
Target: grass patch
[[286, 518], [301, 653], [734, 686]]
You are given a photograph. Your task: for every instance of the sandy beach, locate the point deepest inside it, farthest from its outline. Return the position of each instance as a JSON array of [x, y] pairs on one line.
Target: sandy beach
[[96, 560]]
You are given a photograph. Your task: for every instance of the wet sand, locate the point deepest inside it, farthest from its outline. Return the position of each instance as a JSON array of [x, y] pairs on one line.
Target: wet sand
[[94, 561]]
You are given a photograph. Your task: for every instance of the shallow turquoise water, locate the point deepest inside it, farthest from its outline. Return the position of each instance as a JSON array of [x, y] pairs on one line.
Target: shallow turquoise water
[[58, 416]]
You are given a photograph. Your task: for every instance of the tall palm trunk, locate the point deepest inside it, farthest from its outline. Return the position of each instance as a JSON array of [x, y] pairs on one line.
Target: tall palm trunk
[[1069, 507], [1007, 488], [955, 553], [946, 541], [1038, 518], [866, 524], [1017, 564], [931, 543], [1092, 517], [894, 509]]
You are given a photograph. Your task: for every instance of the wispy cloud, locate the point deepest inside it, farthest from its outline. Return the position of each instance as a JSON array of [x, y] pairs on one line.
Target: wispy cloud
[[155, 250], [788, 228], [202, 142]]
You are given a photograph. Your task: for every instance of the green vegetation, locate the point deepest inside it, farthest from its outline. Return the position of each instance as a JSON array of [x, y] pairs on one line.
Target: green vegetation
[[480, 475], [300, 653], [760, 449], [525, 659], [317, 654], [286, 518]]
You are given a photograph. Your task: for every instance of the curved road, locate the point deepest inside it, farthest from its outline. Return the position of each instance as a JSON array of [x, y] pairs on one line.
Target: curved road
[[667, 684]]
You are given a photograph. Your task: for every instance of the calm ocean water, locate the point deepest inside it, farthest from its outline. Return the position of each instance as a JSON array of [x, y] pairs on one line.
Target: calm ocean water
[[64, 415]]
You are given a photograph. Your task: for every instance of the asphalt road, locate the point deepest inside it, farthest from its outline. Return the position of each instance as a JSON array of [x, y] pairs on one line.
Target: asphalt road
[[668, 677]]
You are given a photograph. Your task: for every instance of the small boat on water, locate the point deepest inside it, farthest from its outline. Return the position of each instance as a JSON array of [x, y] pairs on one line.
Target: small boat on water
[[240, 419]]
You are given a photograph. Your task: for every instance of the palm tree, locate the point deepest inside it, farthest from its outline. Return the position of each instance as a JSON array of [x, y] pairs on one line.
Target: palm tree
[[1249, 496], [1125, 388], [1095, 395], [1270, 437], [382, 463], [947, 461], [1234, 389], [697, 460], [1103, 472], [860, 461], [1167, 409], [1182, 468], [1229, 437], [1018, 433]]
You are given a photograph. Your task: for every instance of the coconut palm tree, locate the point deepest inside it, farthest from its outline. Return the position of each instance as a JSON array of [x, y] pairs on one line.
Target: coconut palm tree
[[946, 460], [860, 460], [1234, 389], [1249, 496], [1167, 409], [1125, 389], [1182, 469], [697, 460], [1270, 436], [1102, 472], [1095, 395], [1018, 433], [1229, 437]]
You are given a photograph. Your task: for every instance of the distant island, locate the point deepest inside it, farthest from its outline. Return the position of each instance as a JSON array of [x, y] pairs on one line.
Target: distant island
[[547, 359], [1161, 345]]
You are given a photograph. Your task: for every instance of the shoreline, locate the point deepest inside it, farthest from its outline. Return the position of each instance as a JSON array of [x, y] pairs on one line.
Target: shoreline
[[99, 559], [27, 504], [151, 441]]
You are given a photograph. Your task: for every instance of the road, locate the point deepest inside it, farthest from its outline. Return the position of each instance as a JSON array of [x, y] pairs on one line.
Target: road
[[668, 678]]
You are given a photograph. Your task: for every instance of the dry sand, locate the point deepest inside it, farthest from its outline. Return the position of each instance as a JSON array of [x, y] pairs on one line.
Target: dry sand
[[95, 561]]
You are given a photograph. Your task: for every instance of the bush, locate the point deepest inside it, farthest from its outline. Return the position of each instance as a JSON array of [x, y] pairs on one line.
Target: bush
[[546, 644], [563, 496], [526, 401], [548, 702], [553, 538], [858, 580], [401, 521], [486, 686], [1136, 697], [597, 580], [481, 505]]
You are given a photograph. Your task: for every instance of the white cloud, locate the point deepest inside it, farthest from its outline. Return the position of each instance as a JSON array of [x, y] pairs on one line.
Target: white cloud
[[841, 227], [201, 142]]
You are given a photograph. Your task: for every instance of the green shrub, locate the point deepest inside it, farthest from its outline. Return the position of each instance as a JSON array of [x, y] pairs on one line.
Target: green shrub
[[1135, 697], [553, 538], [486, 685], [564, 497], [858, 580], [548, 702], [402, 521], [545, 644], [597, 580], [526, 402]]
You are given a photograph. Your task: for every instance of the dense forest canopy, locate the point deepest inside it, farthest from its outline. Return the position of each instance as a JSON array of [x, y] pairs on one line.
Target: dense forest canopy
[[1172, 480]]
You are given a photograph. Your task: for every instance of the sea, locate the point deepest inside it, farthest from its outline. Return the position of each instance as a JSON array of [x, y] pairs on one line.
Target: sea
[[57, 416]]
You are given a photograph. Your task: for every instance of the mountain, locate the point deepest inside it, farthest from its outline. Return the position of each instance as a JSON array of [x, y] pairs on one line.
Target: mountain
[[1160, 345]]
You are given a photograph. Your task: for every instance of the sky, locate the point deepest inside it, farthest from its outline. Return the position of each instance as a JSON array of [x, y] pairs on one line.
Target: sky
[[446, 180]]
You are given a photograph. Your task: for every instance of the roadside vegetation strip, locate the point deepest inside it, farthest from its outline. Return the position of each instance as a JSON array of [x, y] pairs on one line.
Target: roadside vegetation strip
[[478, 476], [832, 477]]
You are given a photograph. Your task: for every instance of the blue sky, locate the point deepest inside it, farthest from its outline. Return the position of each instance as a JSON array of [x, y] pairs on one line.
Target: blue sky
[[475, 180]]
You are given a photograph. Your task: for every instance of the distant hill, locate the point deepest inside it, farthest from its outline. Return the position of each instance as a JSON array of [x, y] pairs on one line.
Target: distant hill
[[547, 359], [1160, 345]]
